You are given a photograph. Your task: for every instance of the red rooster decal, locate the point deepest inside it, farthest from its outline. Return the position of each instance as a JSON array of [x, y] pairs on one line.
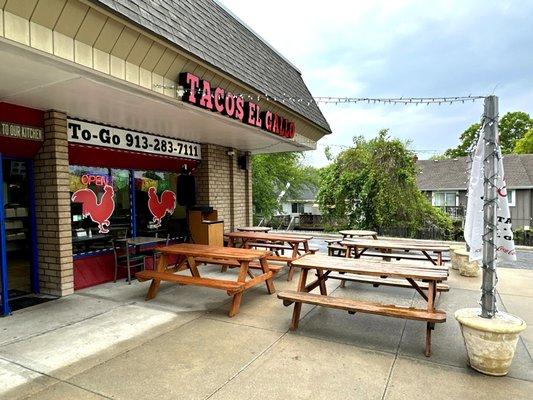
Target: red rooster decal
[[160, 208], [99, 212]]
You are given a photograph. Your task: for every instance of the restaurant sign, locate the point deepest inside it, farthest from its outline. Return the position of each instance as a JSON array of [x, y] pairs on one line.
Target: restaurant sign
[[106, 136], [20, 131], [201, 93]]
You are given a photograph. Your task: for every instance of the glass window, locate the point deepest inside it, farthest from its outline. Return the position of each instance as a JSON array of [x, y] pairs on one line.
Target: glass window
[[157, 211], [100, 206], [442, 199], [294, 208], [511, 198]]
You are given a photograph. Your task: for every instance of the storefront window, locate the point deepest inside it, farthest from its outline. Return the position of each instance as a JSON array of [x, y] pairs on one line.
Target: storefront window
[[100, 206], [157, 211]]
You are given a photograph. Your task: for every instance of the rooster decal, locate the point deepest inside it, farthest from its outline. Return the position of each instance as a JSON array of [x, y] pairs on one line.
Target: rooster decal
[[160, 208], [99, 212]]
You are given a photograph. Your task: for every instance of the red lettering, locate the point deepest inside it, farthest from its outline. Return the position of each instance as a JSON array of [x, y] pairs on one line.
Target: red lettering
[[191, 84], [258, 120], [206, 100], [239, 114], [267, 120], [250, 113], [292, 130], [230, 104], [219, 99], [275, 124]]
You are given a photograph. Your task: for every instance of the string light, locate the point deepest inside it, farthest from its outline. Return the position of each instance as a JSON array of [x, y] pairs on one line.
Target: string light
[[181, 91]]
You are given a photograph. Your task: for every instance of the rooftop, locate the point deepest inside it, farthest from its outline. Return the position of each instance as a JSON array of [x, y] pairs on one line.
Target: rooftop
[[210, 32], [108, 342], [452, 174]]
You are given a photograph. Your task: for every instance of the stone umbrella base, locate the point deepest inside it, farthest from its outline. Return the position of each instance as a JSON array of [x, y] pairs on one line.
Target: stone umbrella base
[[490, 343]]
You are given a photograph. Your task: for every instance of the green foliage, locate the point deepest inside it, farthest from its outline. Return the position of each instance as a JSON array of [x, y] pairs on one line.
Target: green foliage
[[467, 139], [512, 127], [373, 185], [270, 175], [524, 145]]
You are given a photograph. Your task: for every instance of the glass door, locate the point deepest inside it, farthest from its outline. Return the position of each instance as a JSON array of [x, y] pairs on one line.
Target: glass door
[[18, 241]]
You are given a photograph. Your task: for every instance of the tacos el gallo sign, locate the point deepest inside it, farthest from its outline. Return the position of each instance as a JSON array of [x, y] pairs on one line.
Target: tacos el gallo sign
[[200, 93]]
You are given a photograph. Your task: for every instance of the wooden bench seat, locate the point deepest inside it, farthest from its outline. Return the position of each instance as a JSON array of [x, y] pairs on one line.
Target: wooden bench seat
[[275, 246], [235, 264], [376, 281], [231, 287], [353, 306], [332, 248]]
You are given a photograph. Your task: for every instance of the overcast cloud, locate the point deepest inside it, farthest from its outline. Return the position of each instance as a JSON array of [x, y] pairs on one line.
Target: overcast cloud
[[402, 48]]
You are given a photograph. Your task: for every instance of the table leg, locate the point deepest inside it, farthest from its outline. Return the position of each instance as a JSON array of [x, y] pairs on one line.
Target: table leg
[[294, 257], [347, 254], [154, 286], [236, 302], [298, 306], [431, 258], [231, 243], [432, 289], [269, 283], [192, 267], [322, 279]]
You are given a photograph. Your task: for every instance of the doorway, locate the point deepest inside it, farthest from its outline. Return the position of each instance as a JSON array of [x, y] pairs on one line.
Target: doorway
[[18, 241]]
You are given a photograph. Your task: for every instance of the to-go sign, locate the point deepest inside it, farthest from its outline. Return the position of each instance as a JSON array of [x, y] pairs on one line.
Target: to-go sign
[[107, 136]]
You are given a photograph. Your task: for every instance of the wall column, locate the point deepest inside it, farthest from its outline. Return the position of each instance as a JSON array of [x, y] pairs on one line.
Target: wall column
[[52, 198]]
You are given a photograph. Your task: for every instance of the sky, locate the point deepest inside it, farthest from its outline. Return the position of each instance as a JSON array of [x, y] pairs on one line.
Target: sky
[[401, 48]]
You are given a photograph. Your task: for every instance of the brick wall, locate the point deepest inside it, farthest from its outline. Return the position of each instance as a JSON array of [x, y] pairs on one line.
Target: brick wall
[[222, 185], [52, 198]]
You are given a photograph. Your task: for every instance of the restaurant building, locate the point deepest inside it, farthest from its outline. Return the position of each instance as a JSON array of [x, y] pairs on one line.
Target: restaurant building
[[109, 108]]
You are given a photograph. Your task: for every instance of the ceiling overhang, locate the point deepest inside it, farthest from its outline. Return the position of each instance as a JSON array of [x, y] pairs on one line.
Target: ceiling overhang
[[38, 80]]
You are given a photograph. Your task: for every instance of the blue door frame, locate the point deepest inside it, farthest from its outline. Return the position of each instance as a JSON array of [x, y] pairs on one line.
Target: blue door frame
[[34, 262]]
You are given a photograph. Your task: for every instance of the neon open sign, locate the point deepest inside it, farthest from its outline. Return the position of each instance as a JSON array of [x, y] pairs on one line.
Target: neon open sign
[[200, 93], [98, 180]]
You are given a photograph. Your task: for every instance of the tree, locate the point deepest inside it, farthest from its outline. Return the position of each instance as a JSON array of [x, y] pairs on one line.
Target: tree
[[373, 185], [466, 140], [524, 145], [512, 127], [270, 175]]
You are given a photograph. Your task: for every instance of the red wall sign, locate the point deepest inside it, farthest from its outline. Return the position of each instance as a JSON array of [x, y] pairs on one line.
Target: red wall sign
[[200, 93]]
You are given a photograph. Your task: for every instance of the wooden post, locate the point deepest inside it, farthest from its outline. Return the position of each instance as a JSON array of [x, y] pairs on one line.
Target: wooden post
[[490, 196]]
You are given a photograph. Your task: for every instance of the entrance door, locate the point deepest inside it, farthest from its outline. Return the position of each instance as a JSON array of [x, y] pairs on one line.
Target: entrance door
[[18, 241]]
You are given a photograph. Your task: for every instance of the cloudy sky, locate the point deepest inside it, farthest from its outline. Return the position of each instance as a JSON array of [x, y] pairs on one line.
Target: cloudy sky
[[402, 48]]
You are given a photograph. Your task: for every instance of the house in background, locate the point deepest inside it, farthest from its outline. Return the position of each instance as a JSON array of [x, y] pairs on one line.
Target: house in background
[[305, 203], [302, 212], [445, 183]]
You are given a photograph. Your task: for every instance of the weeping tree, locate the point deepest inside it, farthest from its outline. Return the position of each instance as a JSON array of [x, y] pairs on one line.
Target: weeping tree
[[372, 185], [270, 175]]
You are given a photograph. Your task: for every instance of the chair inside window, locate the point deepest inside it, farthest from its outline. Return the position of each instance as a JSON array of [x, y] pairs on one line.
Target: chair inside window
[[154, 253], [123, 258]]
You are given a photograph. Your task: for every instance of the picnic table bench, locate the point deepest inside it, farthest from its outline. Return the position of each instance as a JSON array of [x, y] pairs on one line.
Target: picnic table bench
[[326, 265], [188, 257], [276, 243]]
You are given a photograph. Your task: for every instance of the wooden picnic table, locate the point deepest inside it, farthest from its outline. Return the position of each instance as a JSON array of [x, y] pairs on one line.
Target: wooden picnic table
[[188, 254], [325, 266], [275, 242], [350, 233], [360, 247], [254, 228]]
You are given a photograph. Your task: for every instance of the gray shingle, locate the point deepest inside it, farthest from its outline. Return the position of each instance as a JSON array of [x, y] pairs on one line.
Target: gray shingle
[[453, 173], [228, 45]]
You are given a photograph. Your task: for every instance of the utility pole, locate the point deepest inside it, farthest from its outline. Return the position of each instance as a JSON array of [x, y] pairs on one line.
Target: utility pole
[[490, 198]]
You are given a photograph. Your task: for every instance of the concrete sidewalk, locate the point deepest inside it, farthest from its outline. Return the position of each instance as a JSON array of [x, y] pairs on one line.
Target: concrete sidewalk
[[107, 342]]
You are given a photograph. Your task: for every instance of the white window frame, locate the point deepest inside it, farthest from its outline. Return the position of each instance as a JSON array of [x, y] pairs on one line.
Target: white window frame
[[512, 203], [456, 194]]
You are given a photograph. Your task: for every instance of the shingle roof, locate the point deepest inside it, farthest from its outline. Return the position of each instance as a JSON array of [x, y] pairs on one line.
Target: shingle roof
[[207, 30], [452, 173]]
